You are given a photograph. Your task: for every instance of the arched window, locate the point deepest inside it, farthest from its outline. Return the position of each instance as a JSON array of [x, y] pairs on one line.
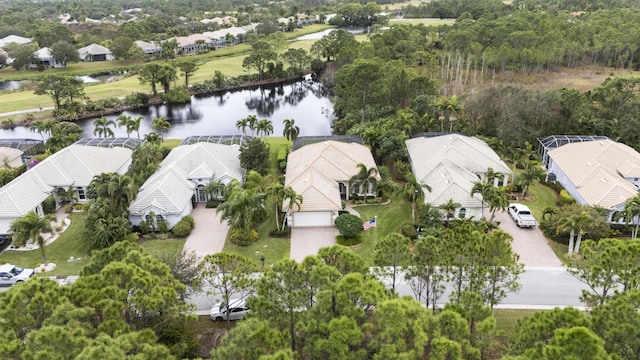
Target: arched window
[[614, 217], [462, 213]]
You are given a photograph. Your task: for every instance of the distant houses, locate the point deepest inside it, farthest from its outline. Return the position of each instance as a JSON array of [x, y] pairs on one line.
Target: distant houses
[[95, 52], [151, 49], [46, 59]]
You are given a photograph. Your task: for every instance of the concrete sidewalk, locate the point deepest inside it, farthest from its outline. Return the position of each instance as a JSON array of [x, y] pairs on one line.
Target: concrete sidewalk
[[209, 234]]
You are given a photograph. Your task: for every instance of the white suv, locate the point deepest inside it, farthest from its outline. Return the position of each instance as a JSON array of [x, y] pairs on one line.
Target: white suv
[[237, 310], [11, 274]]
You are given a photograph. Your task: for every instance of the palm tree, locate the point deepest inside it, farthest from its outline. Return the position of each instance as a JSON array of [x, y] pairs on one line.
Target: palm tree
[[264, 127], [498, 200], [121, 192], [449, 209], [240, 206], [103, 127], [290, 131], [530, 176], [414, 190], [124, 120], [242, 125], [214, 188], [36, 126], [574, 223], [453, 106], [160, 124], [153, 138], [484, 189], [364, 176], [254, 181], [631, 213], [30, 228], [280, 196], [134, 125], [252, 121]]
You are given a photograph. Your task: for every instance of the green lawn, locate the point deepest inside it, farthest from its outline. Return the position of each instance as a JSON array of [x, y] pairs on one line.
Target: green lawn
[[544, 197], [68, 244], [390, 218], [507, 319], [160, 248], [171, 143]]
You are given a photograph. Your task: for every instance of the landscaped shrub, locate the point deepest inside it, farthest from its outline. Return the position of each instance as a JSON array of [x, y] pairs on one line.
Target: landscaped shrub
[[182, 228], [163, 227], [401, 170], [178, 95], [190, 220], [137, 99], [242, 238], [144, 228], [282, 156], [284, 233], [68, 208], [349, 225], [49, 205], [409, 230], [213, 203], [565, 198], [344, 241]]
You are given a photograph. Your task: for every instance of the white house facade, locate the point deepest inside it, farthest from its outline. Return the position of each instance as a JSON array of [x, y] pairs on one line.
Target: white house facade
[[601, 173], [72, 167], [95, 52], [171, 192], [451, 164], [320, 172]]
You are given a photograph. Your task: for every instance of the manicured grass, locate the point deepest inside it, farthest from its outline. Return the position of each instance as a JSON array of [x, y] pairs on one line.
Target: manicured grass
[[171, 143], [544, 197], [70, 243], [390, 218], [274, 145], [161, 248], [507, 320]]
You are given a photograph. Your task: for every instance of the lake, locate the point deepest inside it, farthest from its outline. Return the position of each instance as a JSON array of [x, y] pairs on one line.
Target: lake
[[306, 101]]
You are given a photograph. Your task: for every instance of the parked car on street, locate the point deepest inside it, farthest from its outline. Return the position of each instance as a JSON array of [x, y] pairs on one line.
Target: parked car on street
[[522, 215], [237, 310], [11, 274]]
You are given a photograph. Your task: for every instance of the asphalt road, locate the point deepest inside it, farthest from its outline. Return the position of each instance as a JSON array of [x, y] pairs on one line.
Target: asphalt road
[[542, 288]]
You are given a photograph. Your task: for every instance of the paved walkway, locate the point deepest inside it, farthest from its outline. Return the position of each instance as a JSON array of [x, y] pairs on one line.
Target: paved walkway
[[209, 234], [530, 244]]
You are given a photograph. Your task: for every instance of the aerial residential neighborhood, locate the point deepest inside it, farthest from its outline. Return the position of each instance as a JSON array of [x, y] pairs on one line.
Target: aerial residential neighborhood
[[312, 179]]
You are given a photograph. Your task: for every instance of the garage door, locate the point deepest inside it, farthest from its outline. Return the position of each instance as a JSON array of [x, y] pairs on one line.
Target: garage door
[[312, 218]]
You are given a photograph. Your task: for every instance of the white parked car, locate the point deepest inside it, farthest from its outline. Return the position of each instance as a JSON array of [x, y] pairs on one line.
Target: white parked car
[[522, 215], [11, 274], [237, 310]]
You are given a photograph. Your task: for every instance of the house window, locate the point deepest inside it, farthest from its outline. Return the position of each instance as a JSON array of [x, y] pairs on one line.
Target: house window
[[81, 195], [614, 217], [462, 213]]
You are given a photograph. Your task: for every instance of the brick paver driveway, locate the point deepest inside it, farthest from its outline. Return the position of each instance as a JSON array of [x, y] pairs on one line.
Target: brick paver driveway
[[209, 233]]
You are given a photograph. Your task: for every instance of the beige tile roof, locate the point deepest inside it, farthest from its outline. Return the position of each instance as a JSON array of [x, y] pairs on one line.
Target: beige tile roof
[[75, 165], [450, 164], [331, 161], [598, 168], [11, 155]]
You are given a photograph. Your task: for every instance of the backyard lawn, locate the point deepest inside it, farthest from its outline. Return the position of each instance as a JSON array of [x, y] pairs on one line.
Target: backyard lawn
[[161, 248], [68, 245]]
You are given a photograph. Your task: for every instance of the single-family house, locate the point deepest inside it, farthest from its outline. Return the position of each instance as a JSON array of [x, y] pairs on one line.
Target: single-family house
[[11, 157], [15, 39], [602, 173], [193, 43], [70, 168], [320, 172], [171, 192], [226, 37], [45, 58], [451, 164], [149, 48], [95, 52]]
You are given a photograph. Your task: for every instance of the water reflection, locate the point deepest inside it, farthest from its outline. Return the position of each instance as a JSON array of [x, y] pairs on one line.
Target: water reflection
[[306, 102]]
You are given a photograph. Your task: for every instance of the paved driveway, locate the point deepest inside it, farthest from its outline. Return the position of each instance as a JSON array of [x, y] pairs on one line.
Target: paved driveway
[[530, 244], [209, 233], [307, 241]]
